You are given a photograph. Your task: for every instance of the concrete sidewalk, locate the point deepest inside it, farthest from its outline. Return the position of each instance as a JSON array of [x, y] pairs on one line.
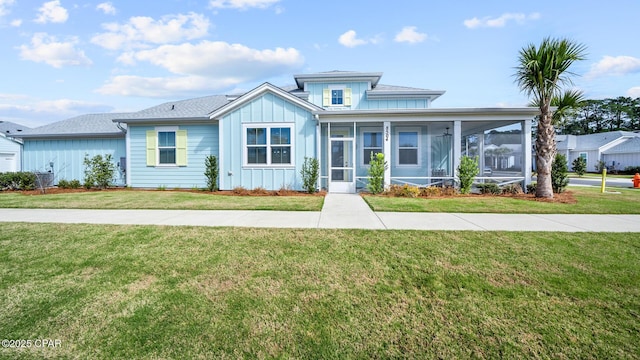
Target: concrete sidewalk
[[340, 211]]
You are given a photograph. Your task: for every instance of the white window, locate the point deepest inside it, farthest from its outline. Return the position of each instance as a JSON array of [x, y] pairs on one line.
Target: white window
[[268, 145], [336, 95], [371, 144], [408, 147], [166, 147]]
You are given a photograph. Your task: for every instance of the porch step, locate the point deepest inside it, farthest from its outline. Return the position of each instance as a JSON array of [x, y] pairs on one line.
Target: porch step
[[348, 211]]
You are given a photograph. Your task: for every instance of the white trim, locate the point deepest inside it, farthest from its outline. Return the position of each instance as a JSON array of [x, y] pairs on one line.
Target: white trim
[[268, 145], [127, 153], [397, 132], [457, 146], [221, 172], [160, 129]]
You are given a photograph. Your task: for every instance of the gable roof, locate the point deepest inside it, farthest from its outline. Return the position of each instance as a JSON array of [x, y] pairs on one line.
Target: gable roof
[[190, 109], [11, 129], [258, 91], [596, 141], [631, 145], [89, 125]]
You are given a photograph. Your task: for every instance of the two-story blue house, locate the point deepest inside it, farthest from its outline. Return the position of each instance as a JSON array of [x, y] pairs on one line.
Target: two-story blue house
[[262, 137]]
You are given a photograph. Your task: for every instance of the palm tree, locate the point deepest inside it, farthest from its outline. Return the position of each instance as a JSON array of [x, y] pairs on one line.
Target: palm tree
[[540, 73]]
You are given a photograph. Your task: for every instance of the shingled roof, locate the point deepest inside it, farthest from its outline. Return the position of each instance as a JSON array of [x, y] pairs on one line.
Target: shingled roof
[[94, 125], [9, 128]]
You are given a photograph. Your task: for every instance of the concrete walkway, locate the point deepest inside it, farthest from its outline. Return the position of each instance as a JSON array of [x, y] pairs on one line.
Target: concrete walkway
[[340, 211]]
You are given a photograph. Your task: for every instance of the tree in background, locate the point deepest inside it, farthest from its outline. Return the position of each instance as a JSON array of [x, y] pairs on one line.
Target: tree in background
[[540, 73]]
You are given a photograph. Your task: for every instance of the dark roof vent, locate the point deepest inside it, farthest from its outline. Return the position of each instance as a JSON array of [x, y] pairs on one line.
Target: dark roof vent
[[173, 107]]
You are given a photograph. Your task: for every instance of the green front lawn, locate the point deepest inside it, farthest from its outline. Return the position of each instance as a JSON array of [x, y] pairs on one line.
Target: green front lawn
[[589, 201], [173, 200], [143, 292]]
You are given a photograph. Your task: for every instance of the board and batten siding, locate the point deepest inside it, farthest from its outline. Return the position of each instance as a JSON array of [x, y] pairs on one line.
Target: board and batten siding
[[359, 99], [202, 140], [67, 156], [267, 108]]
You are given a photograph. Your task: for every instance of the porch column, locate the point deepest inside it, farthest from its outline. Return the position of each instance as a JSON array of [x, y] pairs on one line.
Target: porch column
[[457, 147], [386, 150], [526, 143]]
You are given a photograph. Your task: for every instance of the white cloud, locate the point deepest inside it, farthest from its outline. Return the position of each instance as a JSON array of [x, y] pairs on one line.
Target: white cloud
[[16, 23], [52, 11], [107, 8], [47, 49], [619, 65], [634, 92], [33, 112], [501, 21], [141, 31], [4, 4], [350, 39], [241, 4], [410, 34], [199, 67]]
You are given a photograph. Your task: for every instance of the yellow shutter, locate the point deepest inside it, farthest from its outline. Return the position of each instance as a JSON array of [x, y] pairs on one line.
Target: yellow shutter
[[181, 147], [151, 148], [347, 97], [326, 97]]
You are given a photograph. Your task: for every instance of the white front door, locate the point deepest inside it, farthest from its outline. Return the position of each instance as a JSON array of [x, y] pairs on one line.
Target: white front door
[[341, 172]]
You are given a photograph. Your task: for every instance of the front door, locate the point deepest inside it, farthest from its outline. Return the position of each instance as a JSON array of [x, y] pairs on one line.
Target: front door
[[342, 179]]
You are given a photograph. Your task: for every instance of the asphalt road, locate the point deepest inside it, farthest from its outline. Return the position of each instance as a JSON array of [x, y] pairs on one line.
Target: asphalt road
[[611, 182]]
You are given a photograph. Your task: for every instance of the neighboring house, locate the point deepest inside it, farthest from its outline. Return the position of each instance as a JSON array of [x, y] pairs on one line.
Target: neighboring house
[[60, 147], [10, 146], [618, 149], [262, 137]]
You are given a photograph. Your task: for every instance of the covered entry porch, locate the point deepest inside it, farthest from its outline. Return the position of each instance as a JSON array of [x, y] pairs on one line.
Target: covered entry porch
[[424, 148]]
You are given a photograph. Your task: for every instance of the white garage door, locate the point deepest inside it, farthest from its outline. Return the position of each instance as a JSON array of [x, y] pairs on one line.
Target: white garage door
[[7, 162]]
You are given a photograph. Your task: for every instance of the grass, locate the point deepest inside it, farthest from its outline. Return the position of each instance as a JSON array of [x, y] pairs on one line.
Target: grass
[[168, 200], [589, 201], [185, 292]]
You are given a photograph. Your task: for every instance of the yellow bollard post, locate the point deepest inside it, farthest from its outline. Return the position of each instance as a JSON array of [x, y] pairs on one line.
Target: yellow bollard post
[[604, 179]]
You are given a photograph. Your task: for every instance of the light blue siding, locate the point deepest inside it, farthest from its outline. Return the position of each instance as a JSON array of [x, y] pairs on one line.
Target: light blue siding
[[267, 108], [67, 155], [359, 99], [202, 140]]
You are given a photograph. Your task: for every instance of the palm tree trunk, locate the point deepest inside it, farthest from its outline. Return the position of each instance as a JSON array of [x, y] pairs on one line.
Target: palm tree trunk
[[545, 153]]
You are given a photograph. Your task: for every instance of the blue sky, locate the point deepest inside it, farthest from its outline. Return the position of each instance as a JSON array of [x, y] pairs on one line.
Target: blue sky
[[63, 58]]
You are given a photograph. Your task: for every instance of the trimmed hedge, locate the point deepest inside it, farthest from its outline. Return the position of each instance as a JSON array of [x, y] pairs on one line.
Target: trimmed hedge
[[17, 181]]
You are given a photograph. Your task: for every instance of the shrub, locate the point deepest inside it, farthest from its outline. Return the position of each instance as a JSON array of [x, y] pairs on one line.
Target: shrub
[[310, 172], [632, 170], [211, 172], [559, 174], [17, 181], [531, 188], [600, 165], [430, 191], [377, 167], [404, 191], [489, 188], [448, 191], [512, 189], [98, 171], [467, 172], [579, 166], [260, 191], [239, 190], [63, 184], [74, 184]]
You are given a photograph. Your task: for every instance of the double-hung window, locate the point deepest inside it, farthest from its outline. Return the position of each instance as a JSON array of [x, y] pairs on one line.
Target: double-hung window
[[166, 147], [268, 145], [336, 95], [408, 147], [371, 145]]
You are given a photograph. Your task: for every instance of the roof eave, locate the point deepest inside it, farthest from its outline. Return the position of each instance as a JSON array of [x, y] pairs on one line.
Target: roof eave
[[198, 119], [73, 135], [373, 77]]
